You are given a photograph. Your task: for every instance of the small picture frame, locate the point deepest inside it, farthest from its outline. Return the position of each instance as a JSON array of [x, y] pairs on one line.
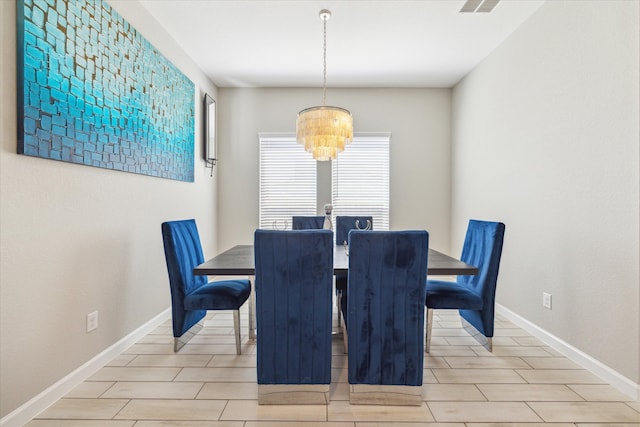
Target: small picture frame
[[210, 136]]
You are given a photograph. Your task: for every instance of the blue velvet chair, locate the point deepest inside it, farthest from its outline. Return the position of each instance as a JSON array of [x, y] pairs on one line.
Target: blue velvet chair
[[307, 222], [473, 296], [344, 224], [191, 295], [294, 281], [384, 316]]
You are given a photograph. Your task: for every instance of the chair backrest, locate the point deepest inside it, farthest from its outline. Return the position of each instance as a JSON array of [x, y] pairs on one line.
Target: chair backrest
[[183, 252], [293, 284], [307, 222], [344, 224], [386, 292], [483, 249]]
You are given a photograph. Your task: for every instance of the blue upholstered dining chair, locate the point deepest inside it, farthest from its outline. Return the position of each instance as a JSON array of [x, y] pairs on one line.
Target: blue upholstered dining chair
[[473, 296], [384, 316], [344, 224], [307, 222], [191, 295], [294, 281]]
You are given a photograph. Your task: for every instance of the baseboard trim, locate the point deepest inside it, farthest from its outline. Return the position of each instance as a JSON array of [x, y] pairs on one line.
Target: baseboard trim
[[617, 380], [42, 401]]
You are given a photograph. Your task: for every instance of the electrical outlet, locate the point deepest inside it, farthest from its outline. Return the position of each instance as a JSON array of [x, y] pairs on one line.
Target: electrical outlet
[[92, 321], [546, 300]]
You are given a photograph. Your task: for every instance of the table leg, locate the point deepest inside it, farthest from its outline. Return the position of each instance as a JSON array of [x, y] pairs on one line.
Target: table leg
[[338, 295], [252, 309]]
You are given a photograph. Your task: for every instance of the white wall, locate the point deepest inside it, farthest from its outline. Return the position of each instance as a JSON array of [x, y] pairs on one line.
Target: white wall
[[419, 122], [545, 138], [75, 239]]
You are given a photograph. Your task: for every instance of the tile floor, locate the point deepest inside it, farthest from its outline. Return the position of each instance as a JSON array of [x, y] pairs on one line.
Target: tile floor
[[522, 383]]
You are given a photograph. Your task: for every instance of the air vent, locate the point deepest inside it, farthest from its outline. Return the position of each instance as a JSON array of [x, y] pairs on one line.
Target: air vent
[[478, 6]]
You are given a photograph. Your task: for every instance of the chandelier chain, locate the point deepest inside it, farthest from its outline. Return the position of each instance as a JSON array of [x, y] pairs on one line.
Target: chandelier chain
[[324, 64]]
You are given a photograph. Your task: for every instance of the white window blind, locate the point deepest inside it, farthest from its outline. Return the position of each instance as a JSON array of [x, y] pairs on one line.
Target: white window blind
[[360, 179], [287, 180]]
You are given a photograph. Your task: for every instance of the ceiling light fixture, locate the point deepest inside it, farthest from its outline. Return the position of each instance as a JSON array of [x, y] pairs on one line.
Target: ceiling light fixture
[[324, 130]]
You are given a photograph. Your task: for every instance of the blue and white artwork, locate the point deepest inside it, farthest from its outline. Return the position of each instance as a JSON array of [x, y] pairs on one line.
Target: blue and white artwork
[[93, 91]]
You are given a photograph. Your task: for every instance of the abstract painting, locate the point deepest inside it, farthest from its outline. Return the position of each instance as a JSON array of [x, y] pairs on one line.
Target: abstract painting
[[93, 91]]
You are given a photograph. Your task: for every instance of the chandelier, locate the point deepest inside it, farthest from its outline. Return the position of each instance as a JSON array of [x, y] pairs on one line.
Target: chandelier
[[324, 130]]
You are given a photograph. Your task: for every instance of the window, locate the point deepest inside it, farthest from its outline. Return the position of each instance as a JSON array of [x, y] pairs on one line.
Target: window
[[287, 180], [360, 179], [288, 175]]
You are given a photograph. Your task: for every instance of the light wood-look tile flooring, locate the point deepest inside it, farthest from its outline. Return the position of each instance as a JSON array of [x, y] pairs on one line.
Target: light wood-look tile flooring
[[522, 383]]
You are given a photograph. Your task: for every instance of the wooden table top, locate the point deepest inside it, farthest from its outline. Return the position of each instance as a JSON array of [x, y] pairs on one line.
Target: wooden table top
[[239, 261]]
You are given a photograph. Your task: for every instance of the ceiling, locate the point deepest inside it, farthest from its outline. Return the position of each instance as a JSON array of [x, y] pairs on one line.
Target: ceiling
[[397, 43]]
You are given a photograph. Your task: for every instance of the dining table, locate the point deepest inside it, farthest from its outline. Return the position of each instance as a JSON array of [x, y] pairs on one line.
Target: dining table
[[239, 261]]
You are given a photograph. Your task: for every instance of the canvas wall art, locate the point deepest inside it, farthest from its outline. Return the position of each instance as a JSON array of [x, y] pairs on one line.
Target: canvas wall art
[[94, 91]]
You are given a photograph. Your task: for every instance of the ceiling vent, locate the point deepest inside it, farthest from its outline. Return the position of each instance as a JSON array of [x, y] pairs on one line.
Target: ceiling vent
[[478, 6]]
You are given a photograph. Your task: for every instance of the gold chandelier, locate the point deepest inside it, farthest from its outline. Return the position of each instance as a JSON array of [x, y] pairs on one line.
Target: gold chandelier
[[324, 130]]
